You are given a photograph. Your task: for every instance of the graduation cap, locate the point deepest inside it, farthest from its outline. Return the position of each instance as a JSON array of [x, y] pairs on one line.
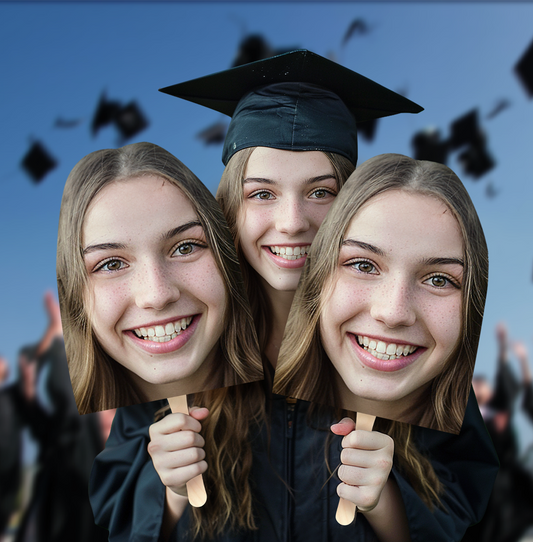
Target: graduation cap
[[357, 26], [293, 101], [37, 162], [253, 47], [130, 120], [476, 160], [466, 131], [524, 69], [368, 129], [428, 145], [214, 134], [105, 113]]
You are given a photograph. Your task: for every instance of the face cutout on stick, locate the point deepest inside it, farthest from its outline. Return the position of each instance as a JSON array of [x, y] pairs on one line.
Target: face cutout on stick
[[389, 278], [155, 292]]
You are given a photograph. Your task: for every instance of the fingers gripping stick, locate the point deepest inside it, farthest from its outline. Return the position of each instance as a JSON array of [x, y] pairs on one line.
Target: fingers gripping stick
[[195, 487], [346, 510]]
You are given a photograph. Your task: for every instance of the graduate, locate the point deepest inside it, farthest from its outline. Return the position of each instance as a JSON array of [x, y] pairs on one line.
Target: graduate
[[268, 461]]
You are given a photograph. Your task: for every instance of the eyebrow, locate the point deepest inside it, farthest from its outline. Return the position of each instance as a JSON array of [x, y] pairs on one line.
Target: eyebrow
[[379, 252], [444, 261], [165, 237], [311, 180], [364, 246]]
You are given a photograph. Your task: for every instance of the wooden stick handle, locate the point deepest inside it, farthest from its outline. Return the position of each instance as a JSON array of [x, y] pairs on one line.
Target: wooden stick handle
[[195, 488], [346, 510]]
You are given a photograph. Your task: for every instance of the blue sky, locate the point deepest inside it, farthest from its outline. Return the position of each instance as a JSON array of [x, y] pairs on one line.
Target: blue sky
[[57, 58]]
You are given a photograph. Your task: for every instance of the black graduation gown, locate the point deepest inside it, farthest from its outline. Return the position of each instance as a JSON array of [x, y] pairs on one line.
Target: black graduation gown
[[510, 508], [59, 509], [10, 454], [127, 495]]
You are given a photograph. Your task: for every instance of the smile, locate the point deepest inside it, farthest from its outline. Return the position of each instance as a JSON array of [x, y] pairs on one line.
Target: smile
[[385, 351], [162, 334], [290, 253]]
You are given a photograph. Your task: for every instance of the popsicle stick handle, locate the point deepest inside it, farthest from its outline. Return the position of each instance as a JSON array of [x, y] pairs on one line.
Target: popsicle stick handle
[[346, 510], [195, 488]]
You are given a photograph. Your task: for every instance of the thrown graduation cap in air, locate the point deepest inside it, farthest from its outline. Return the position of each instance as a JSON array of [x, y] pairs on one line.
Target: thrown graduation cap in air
[[293, 101], [38, 162], [214, 134], [524, 69], [428, 145], [105, 113], [129, 121], [466, 131]]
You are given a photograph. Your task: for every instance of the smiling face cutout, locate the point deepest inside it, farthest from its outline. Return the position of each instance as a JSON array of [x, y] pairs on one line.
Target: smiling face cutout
[[149, 270], [392, 316]]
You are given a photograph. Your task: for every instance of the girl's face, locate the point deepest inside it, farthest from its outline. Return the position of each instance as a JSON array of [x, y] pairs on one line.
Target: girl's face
[[286, 197], [394, 314], [156, 297]]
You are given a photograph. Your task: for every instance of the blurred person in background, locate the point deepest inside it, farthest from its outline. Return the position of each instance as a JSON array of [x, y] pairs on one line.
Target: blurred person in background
[[510, 509], [43, 401]]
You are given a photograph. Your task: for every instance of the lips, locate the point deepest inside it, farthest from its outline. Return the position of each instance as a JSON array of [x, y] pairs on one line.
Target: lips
[[164, 340], [288, 257], [384, 356], [163, 333], [384, 350]]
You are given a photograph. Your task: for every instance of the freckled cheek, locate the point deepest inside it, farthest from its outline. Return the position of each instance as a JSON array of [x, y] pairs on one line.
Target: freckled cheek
[[206, 284], [445, 322], [106, 305], [345, 303], [317, 214]]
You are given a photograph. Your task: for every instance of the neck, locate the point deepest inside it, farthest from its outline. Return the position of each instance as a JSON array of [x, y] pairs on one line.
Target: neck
[[280, 303]]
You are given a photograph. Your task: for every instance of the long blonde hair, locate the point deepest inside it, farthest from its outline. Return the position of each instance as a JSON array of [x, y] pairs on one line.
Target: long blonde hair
[[100, 383], [304, 370]]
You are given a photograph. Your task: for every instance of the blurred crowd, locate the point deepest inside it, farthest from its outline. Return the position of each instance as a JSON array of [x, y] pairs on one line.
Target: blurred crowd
[[46, 501], [56, 508], [509, 513]]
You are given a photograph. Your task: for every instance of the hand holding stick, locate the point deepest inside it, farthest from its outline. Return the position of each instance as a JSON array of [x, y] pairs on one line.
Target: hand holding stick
[[347, 510], [195, 488]]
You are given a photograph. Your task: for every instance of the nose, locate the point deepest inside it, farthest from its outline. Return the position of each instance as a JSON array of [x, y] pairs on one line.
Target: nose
[[291, 217], [154, 287], [394, 304]]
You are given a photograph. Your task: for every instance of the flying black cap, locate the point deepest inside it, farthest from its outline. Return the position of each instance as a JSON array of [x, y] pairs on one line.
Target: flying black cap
[[293, 101]]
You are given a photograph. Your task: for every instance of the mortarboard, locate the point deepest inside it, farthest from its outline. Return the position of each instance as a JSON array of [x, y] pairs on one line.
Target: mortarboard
[[105, 113], [37, 162], [129, 121], [524, 69], [428, 145], [293, 101], [475, 159]]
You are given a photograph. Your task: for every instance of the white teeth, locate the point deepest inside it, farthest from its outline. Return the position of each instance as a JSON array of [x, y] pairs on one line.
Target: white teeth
[[163, 334], [383, 350], [290, 253]]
